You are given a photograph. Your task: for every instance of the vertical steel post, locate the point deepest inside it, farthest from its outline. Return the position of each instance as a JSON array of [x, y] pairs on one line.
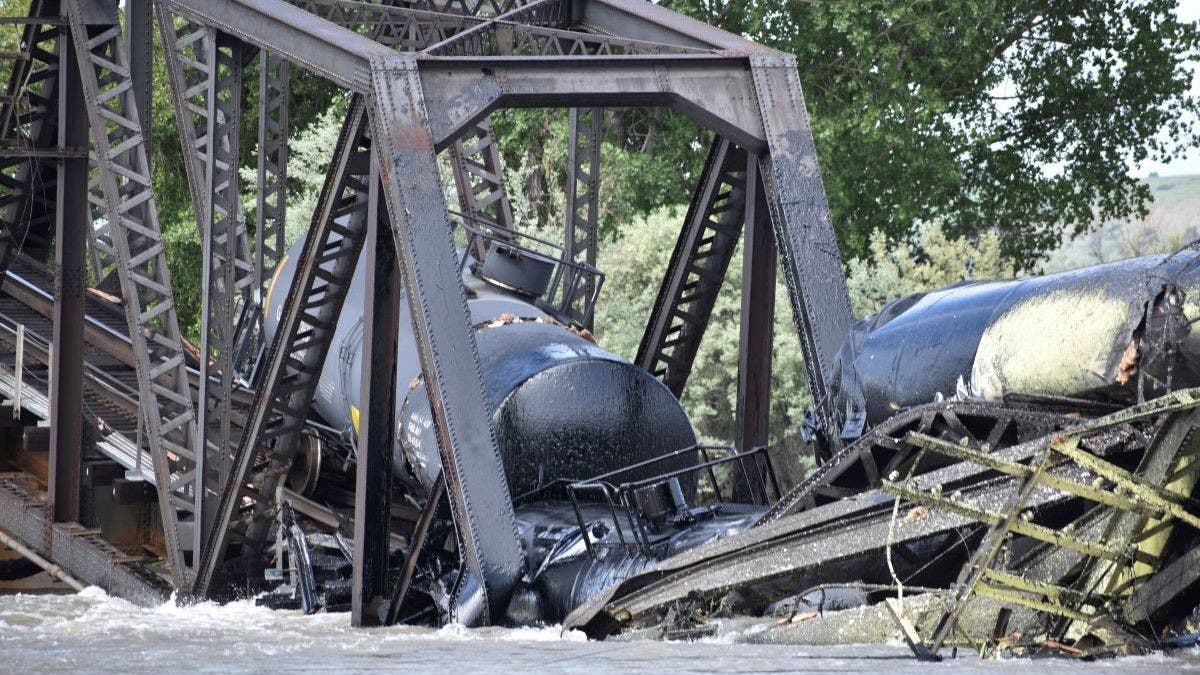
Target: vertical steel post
[[225, 273], [757, 322], [71, 222], [141, 62], [804, 235], [271, 212], [583, 202], [476, 485], [372, 496]]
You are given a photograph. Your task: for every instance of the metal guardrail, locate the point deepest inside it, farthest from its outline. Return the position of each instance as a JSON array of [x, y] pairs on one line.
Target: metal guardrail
[[569, 281], [641, 500]]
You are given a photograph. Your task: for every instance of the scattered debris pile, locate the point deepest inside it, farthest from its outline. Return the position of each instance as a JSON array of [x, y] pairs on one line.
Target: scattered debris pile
[[1018, 478]]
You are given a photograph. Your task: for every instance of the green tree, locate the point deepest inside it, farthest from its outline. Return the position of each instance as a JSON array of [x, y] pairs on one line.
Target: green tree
[[934, 261], [1021, 115], [635, 263], [649, 159]]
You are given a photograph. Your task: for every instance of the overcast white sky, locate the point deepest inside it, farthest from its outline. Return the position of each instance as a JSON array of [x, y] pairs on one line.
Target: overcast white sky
[[1189, 10]]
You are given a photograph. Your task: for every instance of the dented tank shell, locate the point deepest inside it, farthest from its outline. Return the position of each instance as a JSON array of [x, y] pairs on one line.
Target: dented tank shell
[[1107, 332], [563, 408]]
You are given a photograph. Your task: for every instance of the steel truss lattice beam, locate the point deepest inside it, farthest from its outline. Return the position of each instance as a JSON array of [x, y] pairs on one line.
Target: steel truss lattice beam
[[478, 9], [297, 352], [228, 272], [273, 126], [530, 31], [479, 176], [204, 68], [407, 28], [697, 268], [584, 138], [29, 121], [122, 189], [337, 54]]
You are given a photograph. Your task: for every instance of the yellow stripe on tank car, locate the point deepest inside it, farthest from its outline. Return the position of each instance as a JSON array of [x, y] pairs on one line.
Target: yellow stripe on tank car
[[274, 279]]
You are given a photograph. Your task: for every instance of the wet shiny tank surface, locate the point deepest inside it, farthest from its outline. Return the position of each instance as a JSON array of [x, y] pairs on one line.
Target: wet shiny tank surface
[[563, 408], [1064, 334]]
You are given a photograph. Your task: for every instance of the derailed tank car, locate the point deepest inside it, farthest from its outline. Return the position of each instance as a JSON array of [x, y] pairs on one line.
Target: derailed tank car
[[1116, 332], [622, 516], [590, 443]]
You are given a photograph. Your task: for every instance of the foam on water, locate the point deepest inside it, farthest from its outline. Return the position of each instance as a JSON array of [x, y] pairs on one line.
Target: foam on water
[[94, 632]]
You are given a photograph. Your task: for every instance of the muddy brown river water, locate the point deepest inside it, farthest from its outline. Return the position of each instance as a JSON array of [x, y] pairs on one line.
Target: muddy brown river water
[[94, 633]]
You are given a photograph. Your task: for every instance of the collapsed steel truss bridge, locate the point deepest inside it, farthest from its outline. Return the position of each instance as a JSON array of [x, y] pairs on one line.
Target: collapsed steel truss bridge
[[84, 261]]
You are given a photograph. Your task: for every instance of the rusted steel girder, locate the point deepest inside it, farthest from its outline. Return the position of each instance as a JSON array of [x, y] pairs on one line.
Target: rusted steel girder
[[759, 266], [808, 249], [370, 602], [72, 218], [122, 194], [475, 477]]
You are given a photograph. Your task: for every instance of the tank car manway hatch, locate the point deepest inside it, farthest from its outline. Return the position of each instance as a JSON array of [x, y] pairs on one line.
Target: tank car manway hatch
[[217, 428]]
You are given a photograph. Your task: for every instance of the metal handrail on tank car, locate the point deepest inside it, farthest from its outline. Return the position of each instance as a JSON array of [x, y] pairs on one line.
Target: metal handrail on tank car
[[480, 229], [621, 496]]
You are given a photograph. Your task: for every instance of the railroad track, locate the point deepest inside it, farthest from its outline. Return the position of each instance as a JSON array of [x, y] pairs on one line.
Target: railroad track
[[110, 388]]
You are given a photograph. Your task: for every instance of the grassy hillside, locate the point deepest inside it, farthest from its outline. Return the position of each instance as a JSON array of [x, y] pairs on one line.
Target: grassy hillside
[[1173, 221]]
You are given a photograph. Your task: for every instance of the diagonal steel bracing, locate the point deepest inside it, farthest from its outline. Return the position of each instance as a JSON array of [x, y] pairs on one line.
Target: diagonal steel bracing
[[808, 248], [479, 176], [297, 353], [123, 182], [339, 55], [409, 28], [697, 268]]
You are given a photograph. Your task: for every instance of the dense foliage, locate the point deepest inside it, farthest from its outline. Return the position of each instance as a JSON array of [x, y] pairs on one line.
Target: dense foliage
[[1024, 115]]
